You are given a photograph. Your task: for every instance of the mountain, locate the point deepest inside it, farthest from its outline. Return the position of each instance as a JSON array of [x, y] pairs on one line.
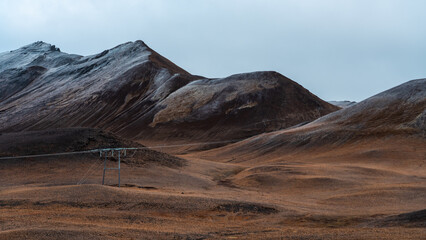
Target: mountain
[[399, 112], [136, 93], [342, 104]]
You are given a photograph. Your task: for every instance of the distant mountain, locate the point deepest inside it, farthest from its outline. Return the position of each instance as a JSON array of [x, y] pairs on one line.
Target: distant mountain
[[402, 108], [342, 104], [136, 93], [397, 112]]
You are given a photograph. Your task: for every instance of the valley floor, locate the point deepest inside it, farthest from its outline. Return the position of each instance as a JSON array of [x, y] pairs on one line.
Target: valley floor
[[364, 190]]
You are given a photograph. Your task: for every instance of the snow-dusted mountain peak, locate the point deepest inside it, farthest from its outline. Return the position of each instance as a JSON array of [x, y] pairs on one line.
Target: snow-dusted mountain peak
[[39, 46]]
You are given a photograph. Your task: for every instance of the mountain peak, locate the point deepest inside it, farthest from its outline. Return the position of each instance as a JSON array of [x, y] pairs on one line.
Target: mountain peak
[[135, 44], [40, 46], [141, 43]]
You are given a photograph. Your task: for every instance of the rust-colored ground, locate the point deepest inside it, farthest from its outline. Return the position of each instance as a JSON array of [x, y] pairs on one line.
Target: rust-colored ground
[[371, 189]]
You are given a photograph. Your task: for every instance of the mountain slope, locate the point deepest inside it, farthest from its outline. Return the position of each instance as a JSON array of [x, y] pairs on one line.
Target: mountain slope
[[236, 107], [397, 112], [342, 104], [133, 91]]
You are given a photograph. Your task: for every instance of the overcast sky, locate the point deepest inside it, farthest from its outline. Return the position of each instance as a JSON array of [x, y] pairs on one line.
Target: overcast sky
[[337, 49]]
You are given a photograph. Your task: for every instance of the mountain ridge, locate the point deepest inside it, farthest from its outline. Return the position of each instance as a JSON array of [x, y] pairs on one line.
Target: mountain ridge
[[131, 90], [397, 113]]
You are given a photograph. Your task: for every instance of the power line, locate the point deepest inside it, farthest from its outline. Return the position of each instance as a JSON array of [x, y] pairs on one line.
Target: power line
[[88, 172], [92, 167], [49, 154], [133, 148]]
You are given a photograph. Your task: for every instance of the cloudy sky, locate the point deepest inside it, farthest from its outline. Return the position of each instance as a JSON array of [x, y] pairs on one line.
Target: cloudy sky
[[338, 49]]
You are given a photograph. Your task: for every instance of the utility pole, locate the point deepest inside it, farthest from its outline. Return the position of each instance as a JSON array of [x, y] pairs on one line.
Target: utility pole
[[119, 168], [111, 150], [103, 175]]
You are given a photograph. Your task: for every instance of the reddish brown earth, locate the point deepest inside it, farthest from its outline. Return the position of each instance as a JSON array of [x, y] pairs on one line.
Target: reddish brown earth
[[356, 191]]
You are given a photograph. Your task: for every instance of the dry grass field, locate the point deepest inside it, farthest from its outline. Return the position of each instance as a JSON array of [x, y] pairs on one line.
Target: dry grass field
[[370, 189]]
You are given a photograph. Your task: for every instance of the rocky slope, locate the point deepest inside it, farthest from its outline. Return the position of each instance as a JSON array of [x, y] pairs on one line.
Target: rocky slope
[[402, 108], [397, 112], [134, 92]]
